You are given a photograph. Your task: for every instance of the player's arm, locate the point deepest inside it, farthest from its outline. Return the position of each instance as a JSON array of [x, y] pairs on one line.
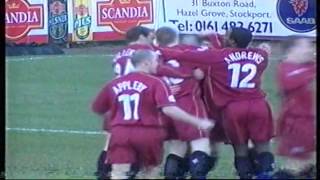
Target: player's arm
[[106, 120], [298, 77], [166, 70], [177, 113], [199, 70], [107, 115], [102, 102], [193, 56], [166, 102]]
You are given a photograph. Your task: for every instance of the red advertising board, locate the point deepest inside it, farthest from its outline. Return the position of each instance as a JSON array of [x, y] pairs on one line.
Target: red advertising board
[[29, 21], [21, 17], [121, 15]]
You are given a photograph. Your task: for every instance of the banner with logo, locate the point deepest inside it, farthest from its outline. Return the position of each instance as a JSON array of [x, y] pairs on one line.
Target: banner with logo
[[26, 21], [115, 17], [121, 15], [82, 20], [272, 18], [58, 21]]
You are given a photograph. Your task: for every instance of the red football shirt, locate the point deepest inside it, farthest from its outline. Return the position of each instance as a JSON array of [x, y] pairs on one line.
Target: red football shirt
[[295, 87], [188, 86], [121, 63], [217, 42], [134, 99], [235, 73], [123, 66]]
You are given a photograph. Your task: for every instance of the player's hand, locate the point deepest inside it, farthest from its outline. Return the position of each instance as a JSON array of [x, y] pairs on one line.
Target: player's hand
[[266, 47], [155, 43], [206, 124], [175, 89], [198, 74]]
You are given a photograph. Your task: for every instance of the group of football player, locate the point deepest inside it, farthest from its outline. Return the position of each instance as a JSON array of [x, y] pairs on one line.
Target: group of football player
[[186, 94]]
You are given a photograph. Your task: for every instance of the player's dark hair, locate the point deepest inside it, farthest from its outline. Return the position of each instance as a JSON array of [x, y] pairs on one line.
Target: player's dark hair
[[141, 55], [134, 33], [241, 36], [166, 36]]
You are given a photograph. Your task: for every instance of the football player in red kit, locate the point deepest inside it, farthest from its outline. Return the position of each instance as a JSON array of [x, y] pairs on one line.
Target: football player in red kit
[[216, 41], [135, 102], [139, 37], [236, 73], [188, 97], [296, 125]]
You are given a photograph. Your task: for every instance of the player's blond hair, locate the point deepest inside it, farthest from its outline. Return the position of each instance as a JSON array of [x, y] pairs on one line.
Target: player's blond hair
[[140, 56]]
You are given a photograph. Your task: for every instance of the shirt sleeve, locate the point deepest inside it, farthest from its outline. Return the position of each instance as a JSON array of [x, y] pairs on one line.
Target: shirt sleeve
[[298, 77], [102, 102], [166, 70], [208, 56], [163, 95]]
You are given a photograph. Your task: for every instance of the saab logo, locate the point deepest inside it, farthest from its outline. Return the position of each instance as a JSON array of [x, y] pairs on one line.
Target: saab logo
[[300, 6], [21, 17], [121, 15], [297, 15]]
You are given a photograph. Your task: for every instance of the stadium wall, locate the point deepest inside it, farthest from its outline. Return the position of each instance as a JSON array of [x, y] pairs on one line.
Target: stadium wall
[[62, 21]]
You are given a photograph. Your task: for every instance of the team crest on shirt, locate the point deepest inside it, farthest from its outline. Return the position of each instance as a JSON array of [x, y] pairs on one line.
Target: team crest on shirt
[[297, 15]]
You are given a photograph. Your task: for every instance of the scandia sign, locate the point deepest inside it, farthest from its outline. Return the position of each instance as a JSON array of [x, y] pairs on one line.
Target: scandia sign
[[21, 17], [124, 14]]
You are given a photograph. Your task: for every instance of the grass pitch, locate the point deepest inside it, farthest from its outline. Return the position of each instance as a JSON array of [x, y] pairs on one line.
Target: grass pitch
[[55, 92]]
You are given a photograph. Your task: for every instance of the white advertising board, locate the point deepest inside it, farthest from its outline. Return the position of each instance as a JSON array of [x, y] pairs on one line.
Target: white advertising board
[[265, 18]]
